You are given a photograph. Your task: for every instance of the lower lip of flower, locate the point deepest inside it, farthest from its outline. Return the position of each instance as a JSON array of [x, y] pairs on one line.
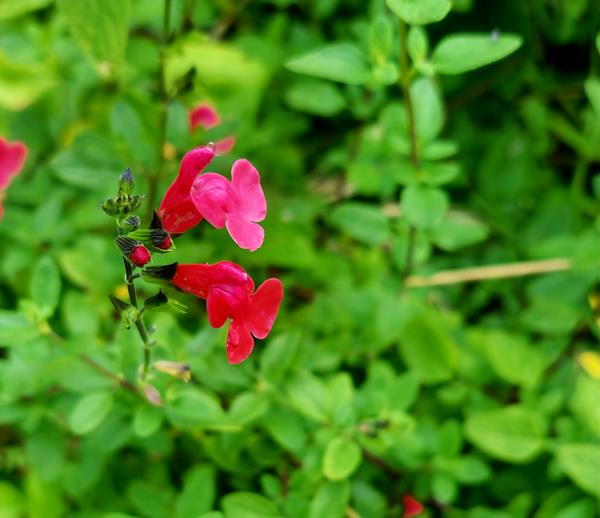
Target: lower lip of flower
[[140, 255]]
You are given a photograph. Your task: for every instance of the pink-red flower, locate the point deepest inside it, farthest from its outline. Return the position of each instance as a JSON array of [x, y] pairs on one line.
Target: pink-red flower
[[229, 294], [177, 212], [204, 115], [412, 507], [12, 158], [237, 204]]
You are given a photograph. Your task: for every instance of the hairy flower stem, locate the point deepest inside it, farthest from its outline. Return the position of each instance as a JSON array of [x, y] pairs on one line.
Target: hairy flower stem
[[155, 178], [139, 321], [414, 151]]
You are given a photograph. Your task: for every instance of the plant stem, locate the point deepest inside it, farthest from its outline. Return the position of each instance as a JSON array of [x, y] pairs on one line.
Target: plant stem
[[414, 151], [155, 178]]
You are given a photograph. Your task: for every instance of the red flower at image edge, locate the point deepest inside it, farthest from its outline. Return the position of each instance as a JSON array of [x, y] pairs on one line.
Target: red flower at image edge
[[412, 507], [12, 158], [229, 294]]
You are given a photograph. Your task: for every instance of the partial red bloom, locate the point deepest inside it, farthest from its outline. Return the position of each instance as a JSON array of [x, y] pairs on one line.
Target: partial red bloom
[[225, 145], [177, 211], [203, 115], [229, 294], [238, 204], [140, 255], [412, 507], [165, 244], [12, 158]]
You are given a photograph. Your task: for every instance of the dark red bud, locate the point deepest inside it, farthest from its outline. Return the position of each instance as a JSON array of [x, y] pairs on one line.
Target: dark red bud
[[140, 255], [412, 507], [165, 244]]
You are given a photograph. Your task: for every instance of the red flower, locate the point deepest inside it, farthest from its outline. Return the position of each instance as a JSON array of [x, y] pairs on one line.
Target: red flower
[[140, 255], [228, 291], [177, 212], [412, 507], [203, 115], [12, 158], [238, 204]]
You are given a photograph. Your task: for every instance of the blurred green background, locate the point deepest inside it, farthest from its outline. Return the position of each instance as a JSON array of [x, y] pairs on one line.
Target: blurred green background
[[482, 400]]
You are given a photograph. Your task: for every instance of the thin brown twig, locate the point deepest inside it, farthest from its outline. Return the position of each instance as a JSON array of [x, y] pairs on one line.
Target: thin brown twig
[[490, 272]]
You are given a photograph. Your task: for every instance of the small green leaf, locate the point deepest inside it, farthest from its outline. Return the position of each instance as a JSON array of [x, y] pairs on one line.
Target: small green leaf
[[428, 109], [342, 62], [424, 207], [45, 285], [15, 328], [90, 411], [362, 221], [315, 97], [248, 505], [146, 420], [21, 84], [198, 494], [342, 457], [100, 28], [418, 44], [12, 503], [193, 407], [247, 407], [330, 500], [513, 434], [581, 462], [460, 53], [458, 230], [12, 9], [420, 12]]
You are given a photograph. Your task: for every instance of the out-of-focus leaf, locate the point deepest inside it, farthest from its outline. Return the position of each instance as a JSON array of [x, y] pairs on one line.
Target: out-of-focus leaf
[[12, 9], [364, 222], [315, 97], [248, 505], [198, 495], [460, 53], [581, 462], [423, 206], [90, 411], [21, 84], [458, 230], [45, 285], [420, 12], [342, 457], [330, 500]]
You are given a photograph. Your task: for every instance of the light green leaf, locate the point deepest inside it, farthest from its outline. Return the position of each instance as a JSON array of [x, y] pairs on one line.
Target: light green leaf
[[315, 97], [248, 505], [362, 221], [198, 494], [581, 462], [458, 230], [146, 420], [418, 44], [460, 53], [12, 503], [15, 328], [513, 434], [12, 9], [428, 109], [100, 28], [193, 407], [420, 12], [247, 407], [21, 84], [342, 62], [308, 395], [90, 411], [424, 207], [45, 285], [330, 500], [428, 348], [342, 457]]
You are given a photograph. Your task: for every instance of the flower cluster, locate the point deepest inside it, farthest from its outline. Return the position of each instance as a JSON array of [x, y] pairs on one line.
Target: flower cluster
[[12, 158], [238, 205]]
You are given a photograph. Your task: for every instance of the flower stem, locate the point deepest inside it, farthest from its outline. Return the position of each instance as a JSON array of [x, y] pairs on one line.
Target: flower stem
[[155, 178], [414, 150]]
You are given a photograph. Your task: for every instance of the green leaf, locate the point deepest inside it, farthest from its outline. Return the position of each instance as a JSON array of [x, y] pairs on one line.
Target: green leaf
[[90, 411], [424, 207], [45, 449], [149, 499], [146, 420], [45, 285], [443, 487], [341, 62], [193, 407], [12, 9], [308, 395], [513, 434], [342, 457], [248, 505], [418, 44], [420, 12], [21, 84], [428, 348], [12, 504], [457, 230], [581, 462], [460, 53], [330, 500], [100, 28], [198, 494], [15, 328], [428, 109], [315, 97], [362, 221], [247, 407]]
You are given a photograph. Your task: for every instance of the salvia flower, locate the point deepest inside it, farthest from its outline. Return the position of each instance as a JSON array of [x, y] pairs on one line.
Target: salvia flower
[[12, 158], [238, 204], [205, 115], [412, 507], [133, 250], [229, 294]]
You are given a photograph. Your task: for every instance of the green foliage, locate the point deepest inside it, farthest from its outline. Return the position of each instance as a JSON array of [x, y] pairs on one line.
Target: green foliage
[[394, 138]]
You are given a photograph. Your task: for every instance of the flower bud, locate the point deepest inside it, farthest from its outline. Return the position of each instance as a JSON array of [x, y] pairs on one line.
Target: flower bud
[[152, 395], [176, 369], [133, 250], [130, 224], [157, 239], [126, 183]]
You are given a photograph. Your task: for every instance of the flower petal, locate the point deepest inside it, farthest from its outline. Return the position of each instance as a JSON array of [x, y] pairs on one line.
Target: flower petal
[[246, 234], [212, 197], [177, 211], [250, 198], [203, 115], [12, 158], [225, 145], [264, 306], [239, 343], [218, 308]]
